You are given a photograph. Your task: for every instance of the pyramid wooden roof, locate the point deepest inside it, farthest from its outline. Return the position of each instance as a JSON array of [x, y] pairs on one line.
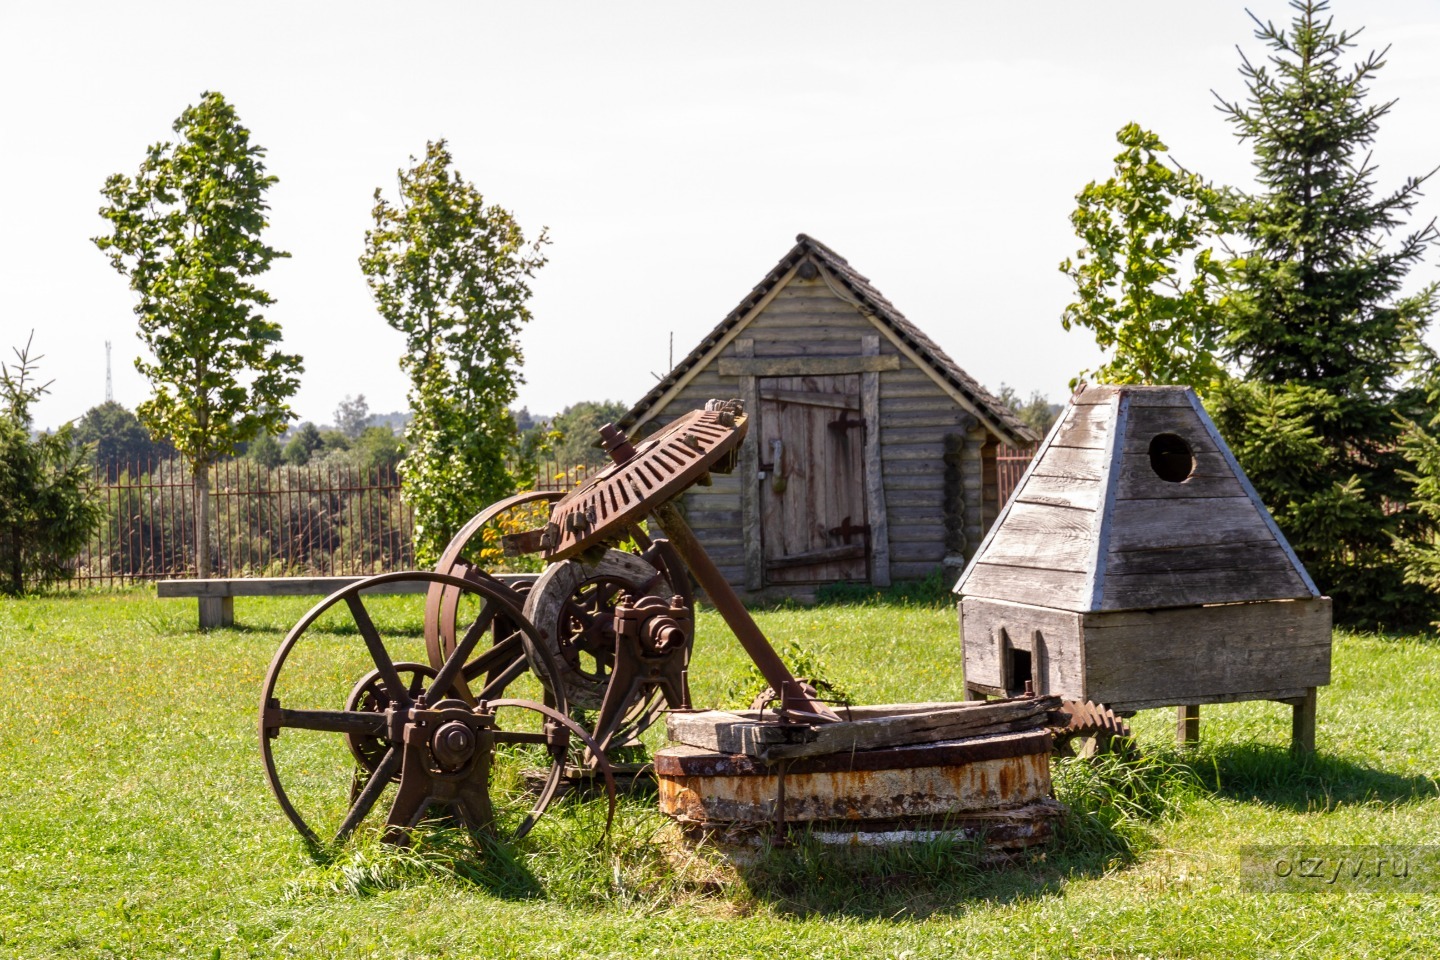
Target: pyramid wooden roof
[[1134, 502]]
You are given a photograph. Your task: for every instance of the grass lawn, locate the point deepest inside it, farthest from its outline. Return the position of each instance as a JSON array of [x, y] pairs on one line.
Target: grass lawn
[[135, 821]]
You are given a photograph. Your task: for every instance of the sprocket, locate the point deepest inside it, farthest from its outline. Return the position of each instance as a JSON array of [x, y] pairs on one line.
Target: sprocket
[[1083, 728]]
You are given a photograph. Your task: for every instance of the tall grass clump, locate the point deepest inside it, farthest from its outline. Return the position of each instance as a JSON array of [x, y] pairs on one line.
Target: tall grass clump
[[1114, 800]]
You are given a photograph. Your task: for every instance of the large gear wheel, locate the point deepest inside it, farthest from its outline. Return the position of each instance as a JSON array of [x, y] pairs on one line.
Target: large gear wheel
[[573, 605], [1088, 730]]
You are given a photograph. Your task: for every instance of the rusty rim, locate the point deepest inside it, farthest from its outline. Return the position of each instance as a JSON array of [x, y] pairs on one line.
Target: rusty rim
[[460, 559], [366, 725]]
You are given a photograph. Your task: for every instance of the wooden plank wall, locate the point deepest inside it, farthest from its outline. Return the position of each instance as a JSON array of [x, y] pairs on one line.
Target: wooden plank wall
[[805, 318]]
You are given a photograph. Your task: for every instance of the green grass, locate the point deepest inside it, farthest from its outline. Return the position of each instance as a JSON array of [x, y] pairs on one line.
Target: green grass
[[135, 821]]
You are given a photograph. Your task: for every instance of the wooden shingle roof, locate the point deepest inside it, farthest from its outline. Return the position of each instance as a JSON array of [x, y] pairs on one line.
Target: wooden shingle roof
[[1009, 427]]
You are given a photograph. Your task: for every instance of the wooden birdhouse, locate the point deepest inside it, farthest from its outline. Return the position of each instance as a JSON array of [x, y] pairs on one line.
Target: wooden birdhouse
[[1136, 567]]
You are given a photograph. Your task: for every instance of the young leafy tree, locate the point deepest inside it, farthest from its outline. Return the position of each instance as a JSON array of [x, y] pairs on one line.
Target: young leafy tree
[[303, 445], [451, 274], [574, 438], [46, 511], [1145, 275], [1316, 317], [185, 231]]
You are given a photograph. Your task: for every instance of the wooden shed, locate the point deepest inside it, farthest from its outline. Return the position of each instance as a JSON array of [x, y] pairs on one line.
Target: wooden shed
[[1135, 566], [871, 454]]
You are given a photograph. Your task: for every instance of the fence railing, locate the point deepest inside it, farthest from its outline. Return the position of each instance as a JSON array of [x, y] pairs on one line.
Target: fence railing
[[317, 521], [324, 520], [1010, 464]]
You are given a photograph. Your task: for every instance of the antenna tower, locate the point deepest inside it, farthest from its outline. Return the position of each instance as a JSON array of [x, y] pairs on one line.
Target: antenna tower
[[109, 389]]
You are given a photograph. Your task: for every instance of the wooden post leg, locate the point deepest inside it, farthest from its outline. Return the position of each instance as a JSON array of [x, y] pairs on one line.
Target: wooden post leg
[[1302, 724], [1187, 725], [972, 694], [217, 612]]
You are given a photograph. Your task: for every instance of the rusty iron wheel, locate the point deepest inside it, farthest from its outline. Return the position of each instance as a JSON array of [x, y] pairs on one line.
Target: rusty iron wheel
[[461, 558], [298, 699], [573, 606]]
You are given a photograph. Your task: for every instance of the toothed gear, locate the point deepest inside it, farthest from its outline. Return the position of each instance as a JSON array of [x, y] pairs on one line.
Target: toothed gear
[[1084, 728]]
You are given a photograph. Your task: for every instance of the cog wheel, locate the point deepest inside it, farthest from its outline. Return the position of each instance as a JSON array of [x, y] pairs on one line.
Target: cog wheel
[[1082, 728]]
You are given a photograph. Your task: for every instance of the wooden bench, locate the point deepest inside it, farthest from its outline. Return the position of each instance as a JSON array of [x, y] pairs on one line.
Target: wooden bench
[[217, 595]]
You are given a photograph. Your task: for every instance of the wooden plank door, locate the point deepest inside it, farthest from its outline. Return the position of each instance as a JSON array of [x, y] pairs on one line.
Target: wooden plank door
[[813, 524]]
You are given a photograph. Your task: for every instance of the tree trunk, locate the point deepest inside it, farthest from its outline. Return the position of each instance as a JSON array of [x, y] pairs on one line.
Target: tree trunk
[[202, 520]]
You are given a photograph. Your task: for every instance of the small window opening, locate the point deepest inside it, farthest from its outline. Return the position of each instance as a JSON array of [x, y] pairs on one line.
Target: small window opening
[[1019, 673], [1171, 458]]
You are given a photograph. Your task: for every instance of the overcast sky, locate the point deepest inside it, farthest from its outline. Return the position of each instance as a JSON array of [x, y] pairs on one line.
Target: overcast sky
[[673, 151]]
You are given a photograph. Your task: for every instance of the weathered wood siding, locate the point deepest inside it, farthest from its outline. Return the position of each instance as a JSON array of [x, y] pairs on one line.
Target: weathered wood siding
[[1238, 651], [1137, 659], [930, 447], [1201, 540], [1095, 527], [1043, 552]]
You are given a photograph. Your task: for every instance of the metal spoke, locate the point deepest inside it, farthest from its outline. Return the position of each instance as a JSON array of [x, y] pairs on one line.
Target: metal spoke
[[503, 679], [329, 721], [383, 664], [376, 785], [503, 652], [456, 661]]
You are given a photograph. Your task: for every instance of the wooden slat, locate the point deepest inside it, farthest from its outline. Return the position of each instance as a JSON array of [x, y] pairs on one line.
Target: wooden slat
[[804, 366], [750, 509], [1060, 491], [811, 398], [876, 508], [1155, 589], [785, 348], [1070, 462], [816, 557], [1185, 655], [1086, 427], [749, 733], [931, 549], [1060, 589], [1039, 535], [1244, 555], [1195, 522]]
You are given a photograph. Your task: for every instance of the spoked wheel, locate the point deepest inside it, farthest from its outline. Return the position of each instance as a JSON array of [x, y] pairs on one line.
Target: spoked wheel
[[343, 705], [573, 607], [463, 558]]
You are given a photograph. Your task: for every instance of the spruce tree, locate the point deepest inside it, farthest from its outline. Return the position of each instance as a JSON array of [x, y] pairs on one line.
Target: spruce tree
[[1318, 321]]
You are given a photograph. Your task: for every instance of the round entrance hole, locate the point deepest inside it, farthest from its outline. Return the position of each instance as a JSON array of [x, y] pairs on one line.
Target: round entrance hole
[[1171, 458]]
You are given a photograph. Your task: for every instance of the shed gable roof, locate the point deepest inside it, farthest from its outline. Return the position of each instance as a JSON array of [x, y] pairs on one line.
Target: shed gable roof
[[1134, 501], [880, 310]]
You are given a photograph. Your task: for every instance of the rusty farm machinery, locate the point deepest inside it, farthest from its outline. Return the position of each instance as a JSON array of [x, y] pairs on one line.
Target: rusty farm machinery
[[353, 724]]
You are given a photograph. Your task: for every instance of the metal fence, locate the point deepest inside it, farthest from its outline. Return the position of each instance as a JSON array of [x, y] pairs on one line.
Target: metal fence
[[1010, 464], [321, 520]]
